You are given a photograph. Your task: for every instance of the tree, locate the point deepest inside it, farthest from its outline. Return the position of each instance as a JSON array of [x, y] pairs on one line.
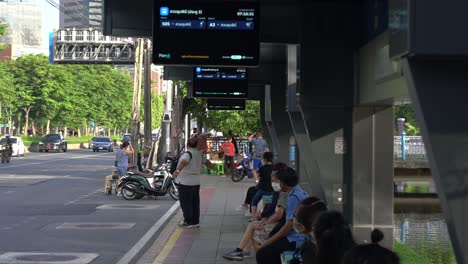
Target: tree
[[240, 122], [3, 28], [407, 111], [31, 79]]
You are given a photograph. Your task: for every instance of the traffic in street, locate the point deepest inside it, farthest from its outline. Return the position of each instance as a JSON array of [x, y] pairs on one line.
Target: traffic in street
[[54, 203]]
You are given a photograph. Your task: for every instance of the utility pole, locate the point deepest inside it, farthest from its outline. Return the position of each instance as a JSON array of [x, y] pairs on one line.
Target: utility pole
[[148, 114], [137, 97], [169, 99]]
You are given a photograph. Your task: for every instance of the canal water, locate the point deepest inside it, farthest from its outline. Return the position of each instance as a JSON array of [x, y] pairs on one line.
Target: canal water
[[426, 234]]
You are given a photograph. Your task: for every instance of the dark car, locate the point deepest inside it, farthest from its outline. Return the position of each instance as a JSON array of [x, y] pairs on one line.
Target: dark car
[[102, 143], [53, 142], [126, 138]]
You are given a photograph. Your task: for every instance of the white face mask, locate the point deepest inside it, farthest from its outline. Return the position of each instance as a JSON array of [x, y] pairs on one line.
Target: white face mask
[[276, 187]]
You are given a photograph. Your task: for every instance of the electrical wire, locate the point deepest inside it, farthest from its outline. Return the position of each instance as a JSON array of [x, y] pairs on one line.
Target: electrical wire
[[66, 11]]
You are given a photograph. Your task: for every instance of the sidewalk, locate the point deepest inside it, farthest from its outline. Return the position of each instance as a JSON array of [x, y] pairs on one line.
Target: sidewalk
[[221, 227]]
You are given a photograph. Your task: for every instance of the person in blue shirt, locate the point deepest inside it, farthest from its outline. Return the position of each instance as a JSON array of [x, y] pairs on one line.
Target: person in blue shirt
[[286, 239], [259, 146], [122, 157]]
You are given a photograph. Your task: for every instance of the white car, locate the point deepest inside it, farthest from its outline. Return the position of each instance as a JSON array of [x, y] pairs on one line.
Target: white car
[[17, 145]]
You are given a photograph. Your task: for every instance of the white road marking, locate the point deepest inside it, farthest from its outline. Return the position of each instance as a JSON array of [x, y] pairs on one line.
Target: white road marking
[[96, 225], [62, 258], [9, 192], [81, 197], [142, 242], [49, 161], [127, 207]]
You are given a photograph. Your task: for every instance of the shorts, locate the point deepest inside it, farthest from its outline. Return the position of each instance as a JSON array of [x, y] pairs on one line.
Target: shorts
[[257, 163], [121, 171], [261, 235]]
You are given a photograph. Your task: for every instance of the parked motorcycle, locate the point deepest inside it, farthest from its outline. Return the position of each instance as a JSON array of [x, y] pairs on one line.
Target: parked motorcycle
[[242, 169], [136, 186], [6, 153]]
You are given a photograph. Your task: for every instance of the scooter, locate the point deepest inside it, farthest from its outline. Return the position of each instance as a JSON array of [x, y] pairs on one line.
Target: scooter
[[6, 153], [242, 169], [136, 186]]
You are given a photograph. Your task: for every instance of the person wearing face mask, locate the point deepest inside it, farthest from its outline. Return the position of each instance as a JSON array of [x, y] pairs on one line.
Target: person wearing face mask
[[286, 239], [258, 231], [304, 219]]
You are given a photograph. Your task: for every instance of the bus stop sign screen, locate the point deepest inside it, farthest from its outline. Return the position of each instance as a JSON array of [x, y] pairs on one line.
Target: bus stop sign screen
[[203, 32], [225, 104], [212, 82]]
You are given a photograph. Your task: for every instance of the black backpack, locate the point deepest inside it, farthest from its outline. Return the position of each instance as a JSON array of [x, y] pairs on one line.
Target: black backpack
[[175, 162]]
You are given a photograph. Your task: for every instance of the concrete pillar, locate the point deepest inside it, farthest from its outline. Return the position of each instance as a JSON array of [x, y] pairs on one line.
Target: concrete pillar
[[371, 197], [438, 89]]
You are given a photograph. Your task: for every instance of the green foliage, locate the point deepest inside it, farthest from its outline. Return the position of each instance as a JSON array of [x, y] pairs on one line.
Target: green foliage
[[70, 96], [240, 122], [3, 28], [157, 109], [407, 255], [407, 112]]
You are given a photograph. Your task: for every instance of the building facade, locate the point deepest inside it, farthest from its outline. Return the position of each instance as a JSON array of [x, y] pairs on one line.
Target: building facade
[[81, 14], [24, 20]]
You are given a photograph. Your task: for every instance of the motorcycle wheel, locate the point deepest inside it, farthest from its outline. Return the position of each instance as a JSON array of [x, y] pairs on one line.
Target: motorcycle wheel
[[128, 191], [237, 175], [173, 191]]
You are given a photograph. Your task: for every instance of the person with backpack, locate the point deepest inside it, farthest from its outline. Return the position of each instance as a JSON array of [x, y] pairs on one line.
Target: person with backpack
[[187, 178]]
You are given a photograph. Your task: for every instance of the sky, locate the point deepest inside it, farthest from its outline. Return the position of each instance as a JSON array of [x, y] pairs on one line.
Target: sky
[[50, 20]]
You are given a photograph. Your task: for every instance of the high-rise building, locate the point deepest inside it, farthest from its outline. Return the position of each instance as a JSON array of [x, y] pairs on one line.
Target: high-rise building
[[24, 26], [81, 13]]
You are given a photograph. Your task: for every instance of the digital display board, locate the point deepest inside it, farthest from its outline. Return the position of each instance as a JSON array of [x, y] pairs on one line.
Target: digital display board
[[212, 82], [203, 32], [225, 104]]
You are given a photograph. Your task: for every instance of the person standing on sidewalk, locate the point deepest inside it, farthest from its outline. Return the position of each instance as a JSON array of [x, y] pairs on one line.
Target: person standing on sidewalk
[[259, 146], [187, 177], [229, 151], [230, 134]]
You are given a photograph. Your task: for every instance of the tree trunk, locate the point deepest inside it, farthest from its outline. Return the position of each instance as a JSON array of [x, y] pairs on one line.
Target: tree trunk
[[33, 125], [10, 122], [65, 132], [95, 131], [79, 132], [18, 127], [48, 127], [115, 131], [26, 119], [56, 130]]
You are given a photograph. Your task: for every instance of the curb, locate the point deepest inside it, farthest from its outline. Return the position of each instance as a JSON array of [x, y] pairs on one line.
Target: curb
[[150, 256]]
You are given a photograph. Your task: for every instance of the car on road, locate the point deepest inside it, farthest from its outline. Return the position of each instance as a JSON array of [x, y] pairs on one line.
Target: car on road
[[53, 142], [102, 143], [127, 137], [16, 144]]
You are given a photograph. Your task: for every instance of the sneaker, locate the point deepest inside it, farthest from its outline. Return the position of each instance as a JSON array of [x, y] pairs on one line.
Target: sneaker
[[247, 254], [242, 208], [192, 226], [248, 214], [234, 255], [119, 194], [182, 224]]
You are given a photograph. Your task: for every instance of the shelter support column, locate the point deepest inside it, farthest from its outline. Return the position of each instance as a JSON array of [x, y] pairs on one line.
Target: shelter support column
[[438, 89], [371, 200]]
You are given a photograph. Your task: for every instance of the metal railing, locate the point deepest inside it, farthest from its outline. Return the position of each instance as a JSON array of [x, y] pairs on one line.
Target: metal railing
[[409, 148]]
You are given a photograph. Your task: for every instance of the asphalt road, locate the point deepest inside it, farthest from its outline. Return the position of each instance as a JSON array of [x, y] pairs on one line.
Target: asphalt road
[[55, 203]]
